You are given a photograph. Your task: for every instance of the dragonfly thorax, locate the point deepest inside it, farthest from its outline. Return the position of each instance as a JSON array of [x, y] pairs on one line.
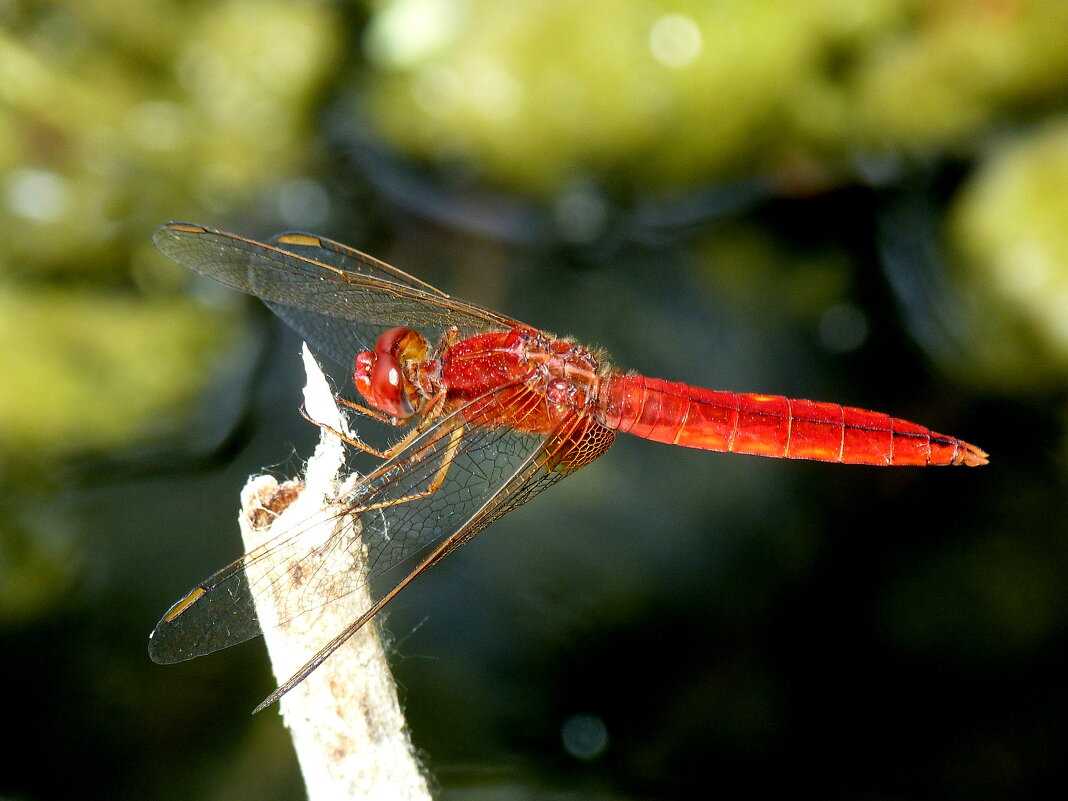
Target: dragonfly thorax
[[567, 374]]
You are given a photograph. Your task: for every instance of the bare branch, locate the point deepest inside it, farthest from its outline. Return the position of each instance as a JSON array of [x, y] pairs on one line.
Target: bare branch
[[349, 733]]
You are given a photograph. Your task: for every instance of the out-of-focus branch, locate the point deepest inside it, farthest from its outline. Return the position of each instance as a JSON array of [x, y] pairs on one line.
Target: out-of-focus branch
[[346, 723]]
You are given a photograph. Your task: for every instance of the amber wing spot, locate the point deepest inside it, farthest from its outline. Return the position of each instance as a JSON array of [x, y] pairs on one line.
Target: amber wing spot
[[300, 239], [184, 604], [187, 228]]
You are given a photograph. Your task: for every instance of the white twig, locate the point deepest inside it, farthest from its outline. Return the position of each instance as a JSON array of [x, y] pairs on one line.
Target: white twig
[[345, 720]]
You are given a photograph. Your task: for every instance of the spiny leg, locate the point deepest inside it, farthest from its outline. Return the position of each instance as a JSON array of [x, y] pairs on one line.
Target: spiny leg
[[449, 338], [426, 417], [374, 414], [455, 436]]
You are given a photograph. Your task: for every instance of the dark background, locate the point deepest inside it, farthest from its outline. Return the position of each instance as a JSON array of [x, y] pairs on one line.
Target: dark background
[[863, 205]]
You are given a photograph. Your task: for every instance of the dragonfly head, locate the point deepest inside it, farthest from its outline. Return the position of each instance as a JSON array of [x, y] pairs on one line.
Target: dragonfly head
[[381, 375]]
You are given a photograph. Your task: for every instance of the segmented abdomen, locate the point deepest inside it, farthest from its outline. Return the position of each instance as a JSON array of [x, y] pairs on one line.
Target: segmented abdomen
[[771, 425]]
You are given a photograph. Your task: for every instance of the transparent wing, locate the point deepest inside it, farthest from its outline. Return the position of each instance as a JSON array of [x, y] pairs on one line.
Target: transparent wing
[[336, 297], [488, 470]]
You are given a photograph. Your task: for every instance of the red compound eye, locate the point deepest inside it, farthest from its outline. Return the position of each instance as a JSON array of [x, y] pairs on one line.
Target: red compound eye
[[379, 379], [378, 375], [361, 375]]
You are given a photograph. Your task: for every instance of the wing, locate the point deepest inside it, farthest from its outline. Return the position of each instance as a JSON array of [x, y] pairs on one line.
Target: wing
[[337, 298], [488, 471]]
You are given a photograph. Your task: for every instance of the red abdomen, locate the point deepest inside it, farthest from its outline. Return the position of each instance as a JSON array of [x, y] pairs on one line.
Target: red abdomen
[[771, 425]]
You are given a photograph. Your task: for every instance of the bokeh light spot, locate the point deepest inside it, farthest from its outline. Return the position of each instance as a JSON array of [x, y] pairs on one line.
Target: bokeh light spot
[[38, 195], [675, 40], [584, 736], [843, 328]]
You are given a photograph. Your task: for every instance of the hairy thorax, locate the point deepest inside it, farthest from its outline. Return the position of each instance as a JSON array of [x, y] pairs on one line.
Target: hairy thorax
[[538, 379]]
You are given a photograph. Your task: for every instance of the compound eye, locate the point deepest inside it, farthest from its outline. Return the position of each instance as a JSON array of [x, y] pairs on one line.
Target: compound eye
[[361, 374], [378, 375], [379, 380]]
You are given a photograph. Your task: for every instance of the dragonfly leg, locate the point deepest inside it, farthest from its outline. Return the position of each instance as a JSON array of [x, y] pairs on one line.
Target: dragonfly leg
[[356, 443], [455, 436], [431, 413], [374, 414], [449, 338]]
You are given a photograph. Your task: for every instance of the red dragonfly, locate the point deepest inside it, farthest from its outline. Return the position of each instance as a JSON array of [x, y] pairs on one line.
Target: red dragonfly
[[497, 412]]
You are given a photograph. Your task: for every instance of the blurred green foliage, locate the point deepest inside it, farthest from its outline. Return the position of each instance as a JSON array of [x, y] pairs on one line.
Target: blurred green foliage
[[99, 371], [1009, 228], [113, 119], [670, 95]]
